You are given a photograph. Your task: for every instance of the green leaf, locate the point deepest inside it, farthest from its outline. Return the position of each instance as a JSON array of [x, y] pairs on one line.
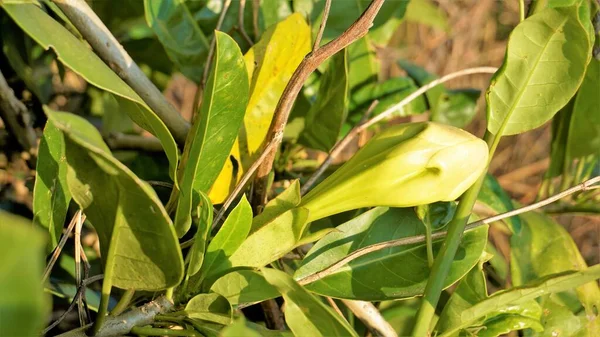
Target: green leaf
[[137, 240], [452, 107], [285, 201], [388, 93], [234, 231], [209, 307], [363, 63], [176, 29], [584, 129], [544, 65], [51, 194], [75, 55], [518, 295], [24, 308], [270, 64], [559, 320], [324, 120], [205, 217], [271, 241], [436, 215], [305, 314], [473, 289], [399, 272], [495, 198], [544, 247], [244, 286], [239, 328], [428, 13], [214, 131]]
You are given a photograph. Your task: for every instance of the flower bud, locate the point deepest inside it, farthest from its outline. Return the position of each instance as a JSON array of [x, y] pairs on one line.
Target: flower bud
[[403, 166]]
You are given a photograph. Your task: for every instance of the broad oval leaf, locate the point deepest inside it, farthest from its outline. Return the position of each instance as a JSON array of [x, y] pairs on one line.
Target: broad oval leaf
[[51, 194], [24, 307], [177, 31], [77, 56], [285, 201], [324, 119], [137, 240], [271, 241], [544, 65], [270, 64], [391, 273], [244, 286], [209, 307], [215, 130], [405, 165], [305, 314]]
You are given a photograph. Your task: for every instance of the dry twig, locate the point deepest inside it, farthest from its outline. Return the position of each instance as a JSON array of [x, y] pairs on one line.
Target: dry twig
[[371, 317], [16, 117]]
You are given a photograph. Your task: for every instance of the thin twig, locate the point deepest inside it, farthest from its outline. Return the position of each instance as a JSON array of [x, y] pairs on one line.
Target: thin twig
[[335, 307], [255, 9], [586, 185], [207, 65], [371, 317], [241, 22], [337, 149], [108, 48], [317, 43], [356, 31], [80, 290], [273, 315], [78, 278], [16, 117], [59, 247], [238, 188]]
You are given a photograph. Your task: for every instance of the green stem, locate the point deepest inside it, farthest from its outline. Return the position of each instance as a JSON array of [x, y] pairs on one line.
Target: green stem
[[123, 302], [429, 244], [103, 307], [522, 10], [147, 331], [443, 261]]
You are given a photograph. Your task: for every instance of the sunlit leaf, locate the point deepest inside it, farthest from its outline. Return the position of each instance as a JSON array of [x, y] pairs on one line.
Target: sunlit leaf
[[214, 131], [244, 286], [545, 63], [209, 307]]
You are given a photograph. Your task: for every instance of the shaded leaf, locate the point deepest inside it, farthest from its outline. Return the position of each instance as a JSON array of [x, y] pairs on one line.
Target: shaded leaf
[[214, 131], [244, 286], [398, 272], [304, 313], [495, 198], [24, 308], [544, 65], [51, 194], [176, 29], [584, 129], [209, 307], [137, 239], [324, 119], [75, 55]]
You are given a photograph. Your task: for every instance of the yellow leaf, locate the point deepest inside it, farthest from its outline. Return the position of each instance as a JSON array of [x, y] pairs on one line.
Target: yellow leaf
[[270, 63]]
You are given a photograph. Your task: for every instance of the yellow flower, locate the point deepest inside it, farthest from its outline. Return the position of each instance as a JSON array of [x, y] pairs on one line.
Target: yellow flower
[[403, 166]]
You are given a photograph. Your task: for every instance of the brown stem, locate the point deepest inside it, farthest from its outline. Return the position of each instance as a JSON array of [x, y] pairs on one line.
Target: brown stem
[[322, 26], [273, 315], [16, 117], [357, 30], [241, 22]]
